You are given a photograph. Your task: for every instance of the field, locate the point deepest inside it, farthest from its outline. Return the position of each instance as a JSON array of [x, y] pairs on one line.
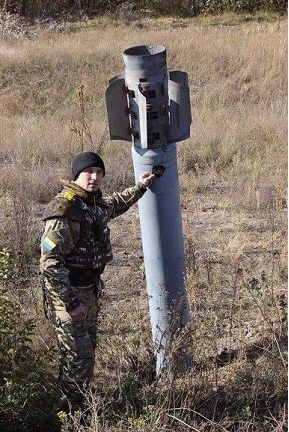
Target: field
[[233, 189]]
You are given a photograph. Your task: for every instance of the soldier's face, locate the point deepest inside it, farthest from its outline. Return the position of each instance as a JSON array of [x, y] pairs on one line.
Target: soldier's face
[[90, 179]]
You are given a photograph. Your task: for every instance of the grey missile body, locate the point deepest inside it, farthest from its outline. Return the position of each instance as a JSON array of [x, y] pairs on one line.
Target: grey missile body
[[150, 107]]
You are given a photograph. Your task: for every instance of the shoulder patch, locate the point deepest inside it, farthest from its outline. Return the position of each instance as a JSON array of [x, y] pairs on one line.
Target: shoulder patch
[[68, 195], [48, 244]]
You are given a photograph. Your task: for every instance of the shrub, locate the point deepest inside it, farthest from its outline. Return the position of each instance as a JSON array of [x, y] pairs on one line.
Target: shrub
[[81, 8], [25, 390]]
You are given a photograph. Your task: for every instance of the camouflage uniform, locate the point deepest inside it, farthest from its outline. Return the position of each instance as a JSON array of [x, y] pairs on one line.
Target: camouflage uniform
[[75, 249]]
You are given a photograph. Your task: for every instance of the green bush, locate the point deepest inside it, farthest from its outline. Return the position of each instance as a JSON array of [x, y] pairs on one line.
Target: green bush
[[6, 266], [25, 390]]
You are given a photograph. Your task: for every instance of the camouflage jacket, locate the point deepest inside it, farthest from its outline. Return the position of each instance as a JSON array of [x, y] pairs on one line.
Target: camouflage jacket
[[75, 245]]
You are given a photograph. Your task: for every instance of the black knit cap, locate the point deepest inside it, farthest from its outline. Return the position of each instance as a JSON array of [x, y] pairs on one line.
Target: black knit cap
[[86, 160]]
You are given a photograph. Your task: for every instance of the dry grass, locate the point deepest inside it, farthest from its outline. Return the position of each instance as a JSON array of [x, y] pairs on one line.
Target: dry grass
[[233, 177]]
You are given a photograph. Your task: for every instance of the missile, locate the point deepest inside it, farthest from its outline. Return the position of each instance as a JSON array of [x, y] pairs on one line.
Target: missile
[[150, 107]]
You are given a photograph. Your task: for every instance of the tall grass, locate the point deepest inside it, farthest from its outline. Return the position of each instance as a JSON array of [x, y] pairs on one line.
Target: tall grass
[[233, 180]]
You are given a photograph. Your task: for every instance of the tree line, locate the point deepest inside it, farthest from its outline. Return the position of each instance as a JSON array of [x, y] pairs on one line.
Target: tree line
[[38, 9]]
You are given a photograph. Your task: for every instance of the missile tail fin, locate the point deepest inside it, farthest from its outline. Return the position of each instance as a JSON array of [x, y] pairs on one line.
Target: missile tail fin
[[116, 104]]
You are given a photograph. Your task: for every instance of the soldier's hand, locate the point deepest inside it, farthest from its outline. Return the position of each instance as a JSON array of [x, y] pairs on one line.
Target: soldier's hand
[[146, 178], [79, 313]]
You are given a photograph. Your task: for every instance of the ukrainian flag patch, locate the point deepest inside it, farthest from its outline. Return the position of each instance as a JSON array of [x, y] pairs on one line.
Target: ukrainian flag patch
[[48, 244]]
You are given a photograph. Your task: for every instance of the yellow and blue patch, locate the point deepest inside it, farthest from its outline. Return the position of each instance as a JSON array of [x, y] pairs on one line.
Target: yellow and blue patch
[[48, 244], [68, 195]]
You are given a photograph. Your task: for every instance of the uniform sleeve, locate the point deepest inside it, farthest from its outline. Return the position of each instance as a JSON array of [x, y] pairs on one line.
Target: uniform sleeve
[[120, 202], [56, 244]]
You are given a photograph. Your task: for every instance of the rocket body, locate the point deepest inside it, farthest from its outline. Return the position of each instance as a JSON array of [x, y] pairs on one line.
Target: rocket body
[[162, 241], [151, 108]]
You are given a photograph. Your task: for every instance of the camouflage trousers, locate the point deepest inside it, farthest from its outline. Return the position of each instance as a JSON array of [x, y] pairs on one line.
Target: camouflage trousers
[[76, 344]]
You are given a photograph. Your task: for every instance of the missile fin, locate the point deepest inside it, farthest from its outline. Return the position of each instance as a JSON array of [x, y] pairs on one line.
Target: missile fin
[[180, 117], [116, 105]]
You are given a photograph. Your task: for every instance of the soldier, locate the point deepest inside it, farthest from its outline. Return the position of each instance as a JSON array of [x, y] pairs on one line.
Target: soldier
[[75, 248]]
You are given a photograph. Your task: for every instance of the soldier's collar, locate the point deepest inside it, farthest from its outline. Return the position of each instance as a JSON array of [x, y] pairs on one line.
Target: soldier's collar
[[72, 189]]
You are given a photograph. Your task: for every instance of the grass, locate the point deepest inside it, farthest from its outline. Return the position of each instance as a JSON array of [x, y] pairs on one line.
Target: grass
[[233, 184]]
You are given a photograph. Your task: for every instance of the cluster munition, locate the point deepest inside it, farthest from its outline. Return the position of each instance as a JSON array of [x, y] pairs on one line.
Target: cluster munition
[[150, 107]]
